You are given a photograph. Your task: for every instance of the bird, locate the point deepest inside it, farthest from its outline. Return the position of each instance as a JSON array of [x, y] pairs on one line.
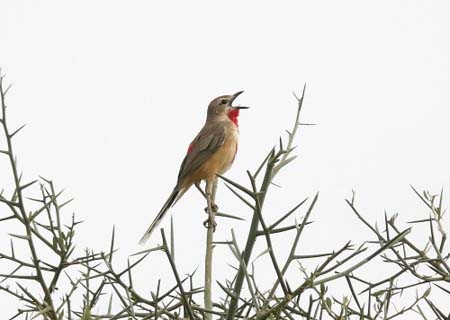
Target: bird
[[211, 153]]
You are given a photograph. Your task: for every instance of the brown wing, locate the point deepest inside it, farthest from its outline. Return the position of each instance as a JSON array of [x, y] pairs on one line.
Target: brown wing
[[208, 140]]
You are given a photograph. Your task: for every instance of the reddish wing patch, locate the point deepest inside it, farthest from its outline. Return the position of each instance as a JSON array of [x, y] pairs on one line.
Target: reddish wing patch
[[233, 114], [191, 146]]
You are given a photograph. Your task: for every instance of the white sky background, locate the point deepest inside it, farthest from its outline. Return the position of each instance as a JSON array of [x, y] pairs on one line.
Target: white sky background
[[112, 93]]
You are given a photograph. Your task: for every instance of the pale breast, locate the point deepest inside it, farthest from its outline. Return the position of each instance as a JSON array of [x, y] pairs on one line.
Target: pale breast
[[221, 160], [225, 156]]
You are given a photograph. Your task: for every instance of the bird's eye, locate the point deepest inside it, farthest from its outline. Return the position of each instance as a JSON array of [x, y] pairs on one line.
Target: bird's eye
[[223, 101]]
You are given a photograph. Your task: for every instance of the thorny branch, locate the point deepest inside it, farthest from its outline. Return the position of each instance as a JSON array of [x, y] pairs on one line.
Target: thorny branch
[[52, 279]]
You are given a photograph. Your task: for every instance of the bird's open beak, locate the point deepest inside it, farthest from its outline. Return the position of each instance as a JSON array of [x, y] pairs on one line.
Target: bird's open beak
[[234, 97]]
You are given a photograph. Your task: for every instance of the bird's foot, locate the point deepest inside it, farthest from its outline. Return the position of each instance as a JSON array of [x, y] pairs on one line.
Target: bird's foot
[[214, 208], [211, 210], [210, 223]]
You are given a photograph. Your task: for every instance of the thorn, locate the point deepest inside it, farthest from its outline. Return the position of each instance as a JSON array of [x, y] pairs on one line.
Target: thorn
[[7, 89], [304, 89], [17, 131]]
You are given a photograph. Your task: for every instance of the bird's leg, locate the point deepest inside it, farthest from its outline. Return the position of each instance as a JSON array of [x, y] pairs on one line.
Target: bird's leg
[[210, 222], [214, 206], [197, 185]]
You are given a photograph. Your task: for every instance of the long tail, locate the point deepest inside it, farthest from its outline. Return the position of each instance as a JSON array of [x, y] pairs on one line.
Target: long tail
[[174, 196]]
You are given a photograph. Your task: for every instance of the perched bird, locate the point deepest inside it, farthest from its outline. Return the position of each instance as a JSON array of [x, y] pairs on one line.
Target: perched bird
[[211, 152]]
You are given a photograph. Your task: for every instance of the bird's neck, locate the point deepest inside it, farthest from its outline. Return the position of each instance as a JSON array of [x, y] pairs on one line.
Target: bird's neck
[[233, 115], [229, 116]]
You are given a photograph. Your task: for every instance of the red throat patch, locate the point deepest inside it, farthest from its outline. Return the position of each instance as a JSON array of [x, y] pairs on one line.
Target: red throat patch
[[233, 114]]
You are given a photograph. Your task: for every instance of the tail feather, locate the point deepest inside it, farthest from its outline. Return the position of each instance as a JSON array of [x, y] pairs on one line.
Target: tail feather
[[174, 196]]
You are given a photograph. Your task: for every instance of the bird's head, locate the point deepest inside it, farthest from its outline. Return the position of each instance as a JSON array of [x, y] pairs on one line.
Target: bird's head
[[222, 107]]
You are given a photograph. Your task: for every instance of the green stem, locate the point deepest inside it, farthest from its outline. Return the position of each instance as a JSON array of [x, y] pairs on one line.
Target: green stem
[[184, 298], [271, 172], [50, 312], [251, 239], [209, 253]]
